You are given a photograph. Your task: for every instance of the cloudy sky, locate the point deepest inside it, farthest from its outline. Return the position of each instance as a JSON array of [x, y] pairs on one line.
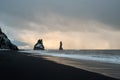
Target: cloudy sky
[[80, 24]]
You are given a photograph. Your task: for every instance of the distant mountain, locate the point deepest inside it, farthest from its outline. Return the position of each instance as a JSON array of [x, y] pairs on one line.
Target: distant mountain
[[39, 45], [5, 43]]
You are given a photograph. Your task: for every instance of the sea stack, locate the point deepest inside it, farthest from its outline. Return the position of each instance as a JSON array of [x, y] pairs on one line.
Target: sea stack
[[39, 45], [60, 48], [5, 43]]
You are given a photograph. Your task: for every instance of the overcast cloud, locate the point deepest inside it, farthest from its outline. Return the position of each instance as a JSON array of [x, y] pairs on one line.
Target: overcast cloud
[[89, 23]]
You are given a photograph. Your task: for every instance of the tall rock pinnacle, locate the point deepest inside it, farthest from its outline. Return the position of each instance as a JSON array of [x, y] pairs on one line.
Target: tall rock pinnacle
[[60, 48]]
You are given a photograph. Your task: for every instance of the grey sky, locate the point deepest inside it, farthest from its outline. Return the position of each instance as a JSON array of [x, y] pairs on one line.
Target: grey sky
[[59, 15], [107, 11]]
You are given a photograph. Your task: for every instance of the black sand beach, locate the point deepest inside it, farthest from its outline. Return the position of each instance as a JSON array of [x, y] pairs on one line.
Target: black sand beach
[[18, 66]]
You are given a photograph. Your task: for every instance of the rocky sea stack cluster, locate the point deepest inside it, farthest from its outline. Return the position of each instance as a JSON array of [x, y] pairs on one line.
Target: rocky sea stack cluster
[[5, 43], [39, 45]]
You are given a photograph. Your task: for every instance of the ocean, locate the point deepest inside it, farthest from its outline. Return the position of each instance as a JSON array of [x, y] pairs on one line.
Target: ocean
[[107, 56]]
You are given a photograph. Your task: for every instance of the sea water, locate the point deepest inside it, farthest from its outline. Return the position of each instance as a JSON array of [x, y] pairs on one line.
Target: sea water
[[107, 56]]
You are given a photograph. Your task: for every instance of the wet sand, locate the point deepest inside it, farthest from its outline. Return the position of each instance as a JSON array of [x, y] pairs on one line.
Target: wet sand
[[107, 69], [18, 66]]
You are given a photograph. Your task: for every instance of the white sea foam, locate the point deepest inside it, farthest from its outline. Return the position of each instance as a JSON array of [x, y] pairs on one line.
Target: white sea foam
[[95, 56], [4, 49]]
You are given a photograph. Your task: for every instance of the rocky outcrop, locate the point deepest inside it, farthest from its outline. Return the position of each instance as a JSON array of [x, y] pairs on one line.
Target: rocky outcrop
[[60, 48], [5, 43], [39, 45]]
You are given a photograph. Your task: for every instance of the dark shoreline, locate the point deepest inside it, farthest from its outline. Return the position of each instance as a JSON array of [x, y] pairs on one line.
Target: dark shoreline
[[17, 66]]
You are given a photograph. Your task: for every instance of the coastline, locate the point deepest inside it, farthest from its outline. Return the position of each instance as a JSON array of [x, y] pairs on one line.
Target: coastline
[[18, 66]]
